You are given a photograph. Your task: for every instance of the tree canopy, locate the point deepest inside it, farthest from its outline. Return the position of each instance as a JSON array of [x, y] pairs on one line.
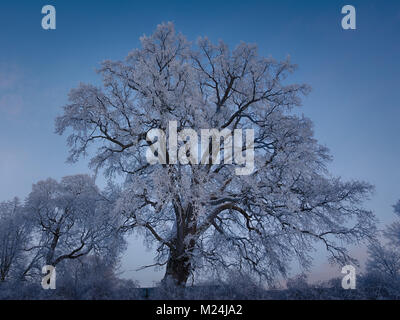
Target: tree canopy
[[205, 217]]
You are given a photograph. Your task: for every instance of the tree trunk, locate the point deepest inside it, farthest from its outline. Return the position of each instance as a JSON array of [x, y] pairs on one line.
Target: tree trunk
[[179, 265], [177, 271]]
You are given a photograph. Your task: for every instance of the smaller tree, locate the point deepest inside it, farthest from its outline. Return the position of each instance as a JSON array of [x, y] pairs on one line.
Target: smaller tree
[[71, 219], [14, 236], [393, 231], [92, 277], [385, 259]]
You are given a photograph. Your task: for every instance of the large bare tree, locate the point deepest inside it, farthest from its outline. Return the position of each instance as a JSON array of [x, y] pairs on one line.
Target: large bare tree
[[206, 216]]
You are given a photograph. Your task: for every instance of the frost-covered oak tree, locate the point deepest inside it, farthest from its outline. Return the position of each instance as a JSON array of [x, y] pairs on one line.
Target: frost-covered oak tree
[[206, 217]]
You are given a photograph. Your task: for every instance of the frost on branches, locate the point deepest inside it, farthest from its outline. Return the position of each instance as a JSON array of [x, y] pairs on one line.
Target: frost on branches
[[384, 258], [71, 219], [204, 217]]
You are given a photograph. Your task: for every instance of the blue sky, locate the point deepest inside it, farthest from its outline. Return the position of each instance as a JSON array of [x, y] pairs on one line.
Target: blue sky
[[354, 74]]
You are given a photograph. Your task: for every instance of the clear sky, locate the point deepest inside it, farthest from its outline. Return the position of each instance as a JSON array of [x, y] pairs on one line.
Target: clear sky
[[354, 75]]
